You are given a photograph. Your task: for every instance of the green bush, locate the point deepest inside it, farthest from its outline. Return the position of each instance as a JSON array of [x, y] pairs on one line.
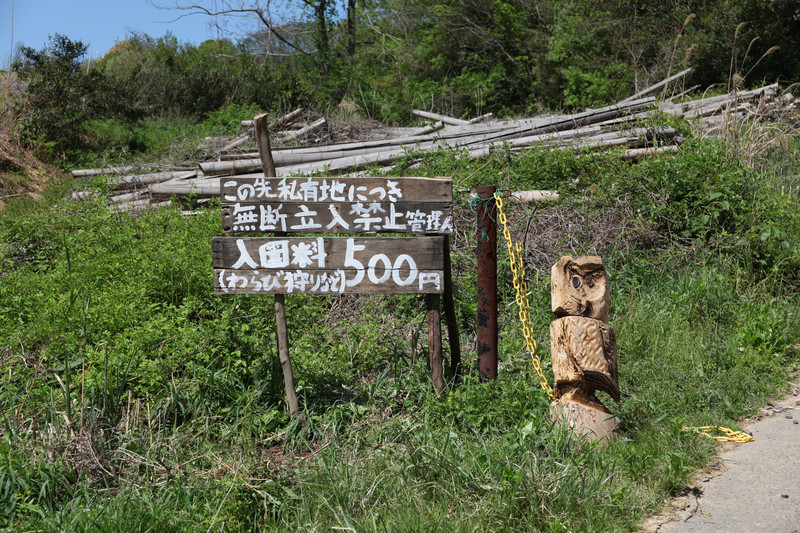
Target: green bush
[[62, 95], [227, 120]]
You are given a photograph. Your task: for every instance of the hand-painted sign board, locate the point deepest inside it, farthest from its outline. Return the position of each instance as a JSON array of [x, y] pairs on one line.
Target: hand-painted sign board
[[328, 265], [337, 205]]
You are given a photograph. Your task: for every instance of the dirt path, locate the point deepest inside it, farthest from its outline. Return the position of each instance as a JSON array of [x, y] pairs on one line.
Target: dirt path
[[753, 487]]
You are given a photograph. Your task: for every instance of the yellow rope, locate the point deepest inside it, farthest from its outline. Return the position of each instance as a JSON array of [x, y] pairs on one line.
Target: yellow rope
[[728, 435], [521, 295]]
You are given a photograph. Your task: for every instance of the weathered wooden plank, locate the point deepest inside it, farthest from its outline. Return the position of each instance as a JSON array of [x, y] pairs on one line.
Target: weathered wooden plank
[[338, 217], [327, 253], [321, 265], [435, 359], [339, 189], [337, 205], [322, 282]]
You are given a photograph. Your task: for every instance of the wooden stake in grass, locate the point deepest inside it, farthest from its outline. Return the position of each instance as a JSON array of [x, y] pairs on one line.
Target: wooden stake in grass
[[265, 152], [433, 305]]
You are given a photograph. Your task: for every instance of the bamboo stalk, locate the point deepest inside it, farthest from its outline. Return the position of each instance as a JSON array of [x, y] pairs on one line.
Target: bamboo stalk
[[142, 180], [641, 153], [482, 118], [530, 197], [658, 85], [92, 172], [238, 141], [128, 197], [439, 118], [428, 129], [279, 123]]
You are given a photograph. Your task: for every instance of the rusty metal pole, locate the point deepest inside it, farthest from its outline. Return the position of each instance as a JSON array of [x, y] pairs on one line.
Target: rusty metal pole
[[487, 284]]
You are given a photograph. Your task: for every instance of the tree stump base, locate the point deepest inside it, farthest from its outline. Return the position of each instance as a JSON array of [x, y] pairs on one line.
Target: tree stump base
[[596, 424]]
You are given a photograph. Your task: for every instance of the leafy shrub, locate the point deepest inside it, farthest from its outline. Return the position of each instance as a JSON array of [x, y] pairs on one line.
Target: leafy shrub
[[227, 120], [697, 194], [62, 95]]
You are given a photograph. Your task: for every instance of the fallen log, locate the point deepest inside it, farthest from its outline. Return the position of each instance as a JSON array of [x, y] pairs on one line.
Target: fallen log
[[436, 117], [288, 118], [429, 129], [682, 94], [238, 141], [235, 156], [128, 197], [307, 130], [720, 100], [142, 180], [83, 195], [658, 85], [199, 188], [138, 205], [107, 171], [230, 168], [530, 197], [482, 118], [280, 122], [641, 153]]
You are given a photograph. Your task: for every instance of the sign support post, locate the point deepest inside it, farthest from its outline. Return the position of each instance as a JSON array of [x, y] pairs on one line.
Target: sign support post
[[282, 332], [450, 313]]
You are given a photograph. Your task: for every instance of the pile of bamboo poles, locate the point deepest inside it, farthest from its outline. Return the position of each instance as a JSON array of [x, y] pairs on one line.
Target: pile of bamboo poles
[[618, 125]]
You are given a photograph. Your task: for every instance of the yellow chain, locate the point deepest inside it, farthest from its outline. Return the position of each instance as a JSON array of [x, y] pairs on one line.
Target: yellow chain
[[729, 435], [521, 295]]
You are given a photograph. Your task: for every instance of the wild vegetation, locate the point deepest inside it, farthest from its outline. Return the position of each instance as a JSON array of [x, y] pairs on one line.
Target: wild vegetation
[[380, 59], [133, 397]]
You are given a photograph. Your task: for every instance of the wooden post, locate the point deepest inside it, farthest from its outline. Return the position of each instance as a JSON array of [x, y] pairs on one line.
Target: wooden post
[[450, 313], [433, 305], [487, 284], [265, 151], [264, 148], [283, 355]]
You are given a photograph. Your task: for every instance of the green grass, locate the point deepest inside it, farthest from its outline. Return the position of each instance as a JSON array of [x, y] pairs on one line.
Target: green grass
[[176, 399]]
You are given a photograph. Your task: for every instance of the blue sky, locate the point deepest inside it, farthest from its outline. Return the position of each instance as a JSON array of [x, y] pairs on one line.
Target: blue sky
[[98, 23]]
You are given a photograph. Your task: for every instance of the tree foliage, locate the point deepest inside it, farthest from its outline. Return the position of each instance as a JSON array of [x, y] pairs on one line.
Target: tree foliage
[[460, 57], [61, 96]]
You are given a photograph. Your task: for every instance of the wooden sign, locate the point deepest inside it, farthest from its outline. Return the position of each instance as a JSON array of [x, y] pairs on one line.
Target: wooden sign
[[328, 265], [337, 205]]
